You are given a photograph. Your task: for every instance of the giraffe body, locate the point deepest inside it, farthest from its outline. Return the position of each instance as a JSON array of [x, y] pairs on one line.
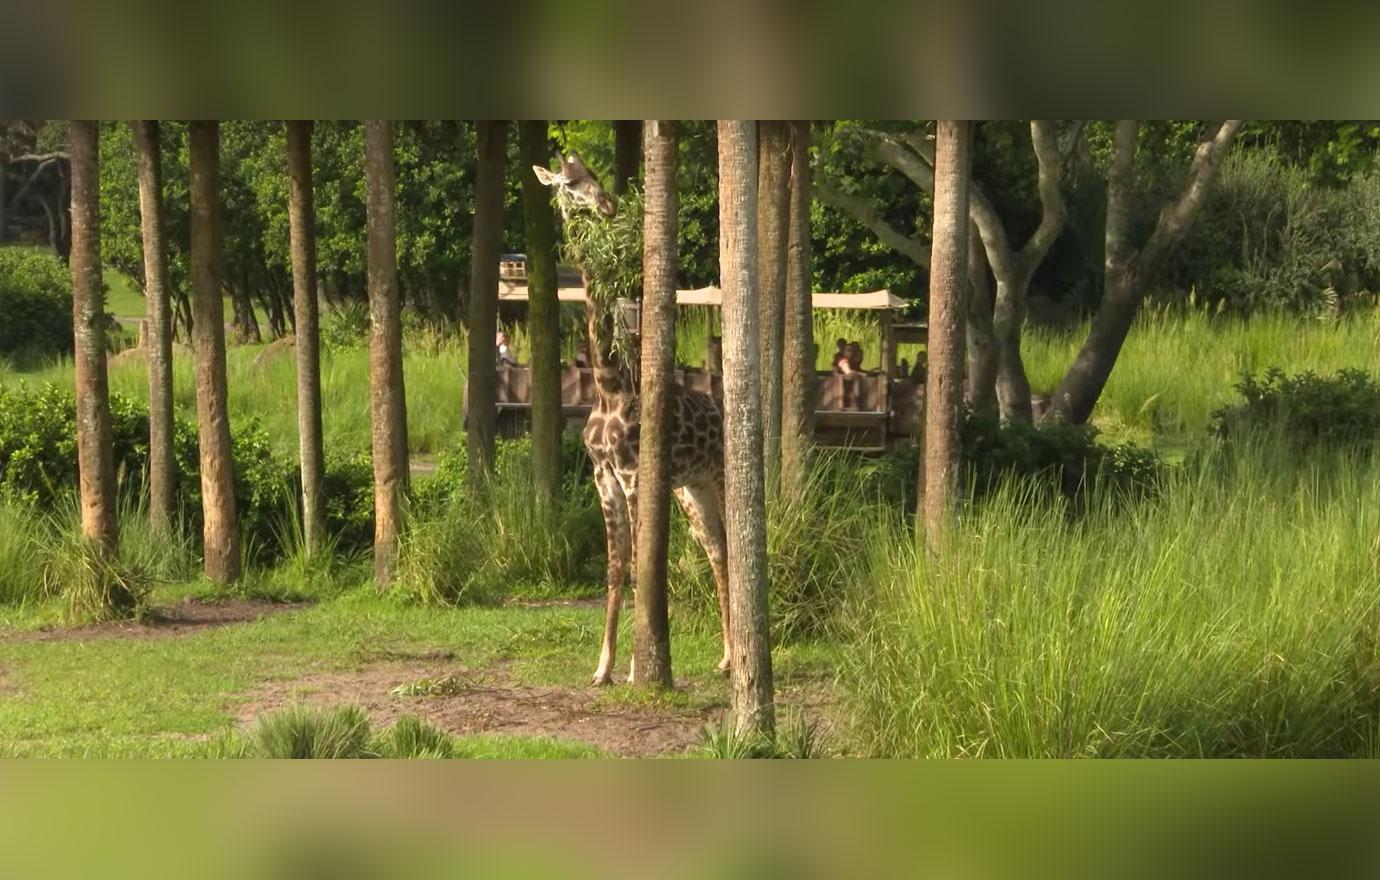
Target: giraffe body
[[612, 433]]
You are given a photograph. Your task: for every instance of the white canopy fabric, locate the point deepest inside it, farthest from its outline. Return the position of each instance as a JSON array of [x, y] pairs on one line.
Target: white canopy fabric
[[511, 291]]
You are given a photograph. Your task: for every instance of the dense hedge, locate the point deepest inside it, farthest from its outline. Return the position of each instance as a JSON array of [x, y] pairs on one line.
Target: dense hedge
[[35, 303], [38, 464]]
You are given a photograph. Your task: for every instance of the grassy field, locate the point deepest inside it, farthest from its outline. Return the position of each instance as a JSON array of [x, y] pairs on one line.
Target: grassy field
[[1231, 611]]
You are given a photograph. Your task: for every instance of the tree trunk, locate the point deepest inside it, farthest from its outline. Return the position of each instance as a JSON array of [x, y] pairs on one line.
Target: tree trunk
[[162, 468], [306, 321], [388, 400], [1013, 388], [1128, 269], [246, 322], [4, 195], [773, 230], [983, 351], [219, 532], [543, 313], [95, 455], [652, 639], [627, 153], [798, 355], [948, 276], [481, 391], [744, 496]]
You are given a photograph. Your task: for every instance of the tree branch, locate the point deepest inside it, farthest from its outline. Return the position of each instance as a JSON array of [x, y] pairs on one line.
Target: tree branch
[[40, 157], [1051, 197], [1178, 215], [868, 216], [1119, 186]]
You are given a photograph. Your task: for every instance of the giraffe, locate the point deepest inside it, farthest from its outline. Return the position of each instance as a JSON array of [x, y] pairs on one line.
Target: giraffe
[[612, 433]]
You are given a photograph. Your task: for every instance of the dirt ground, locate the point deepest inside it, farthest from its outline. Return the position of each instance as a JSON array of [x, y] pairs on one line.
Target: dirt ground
[[490, 701], [188, 616]]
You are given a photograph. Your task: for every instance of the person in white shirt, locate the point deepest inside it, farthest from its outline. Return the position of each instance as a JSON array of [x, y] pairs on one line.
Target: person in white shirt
[[505, 354]]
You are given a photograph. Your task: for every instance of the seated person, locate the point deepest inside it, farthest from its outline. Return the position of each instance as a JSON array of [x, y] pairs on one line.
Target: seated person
[[841, 356], [855, 357], [851, 367], [505, 354]]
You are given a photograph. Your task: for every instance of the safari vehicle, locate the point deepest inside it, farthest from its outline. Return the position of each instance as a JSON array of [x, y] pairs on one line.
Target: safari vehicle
[[866, 412]]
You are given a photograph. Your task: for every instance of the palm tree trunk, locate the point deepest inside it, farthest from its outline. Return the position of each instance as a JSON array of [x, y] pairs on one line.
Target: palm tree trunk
[[162, 471], [219, 533], [543, 313], [388, 402], [652, 639], [797, 350], [481, 390], [773, 230], [306, 324], [744, 496], [948, 277], [95, 450]]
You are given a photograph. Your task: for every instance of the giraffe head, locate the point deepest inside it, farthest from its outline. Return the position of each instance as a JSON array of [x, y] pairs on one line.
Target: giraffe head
[[576, 186]]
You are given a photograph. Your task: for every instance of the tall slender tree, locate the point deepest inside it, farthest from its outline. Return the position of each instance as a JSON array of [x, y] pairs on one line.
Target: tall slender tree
[[745, 495], [948, 278], [543, 312], [302, 237], [158, 332], [627, 153], [388, 402], [773, 233], [95, 455], [798, 356], [481, 390], [652, 641], [220, 536]]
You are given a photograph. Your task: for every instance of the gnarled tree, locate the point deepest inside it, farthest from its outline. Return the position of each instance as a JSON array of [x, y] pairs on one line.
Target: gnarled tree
[[1127, 268]]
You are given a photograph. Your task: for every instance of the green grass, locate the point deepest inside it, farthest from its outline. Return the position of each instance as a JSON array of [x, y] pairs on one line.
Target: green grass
[[1234, 615], [177, 696], [123, 298]]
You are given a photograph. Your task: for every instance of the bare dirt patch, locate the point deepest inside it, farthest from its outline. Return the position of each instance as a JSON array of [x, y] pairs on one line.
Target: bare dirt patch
[[188, 616], [491, 701]]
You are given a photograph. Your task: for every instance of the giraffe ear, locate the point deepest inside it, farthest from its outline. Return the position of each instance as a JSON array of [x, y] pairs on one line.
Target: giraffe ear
[[545, 175]]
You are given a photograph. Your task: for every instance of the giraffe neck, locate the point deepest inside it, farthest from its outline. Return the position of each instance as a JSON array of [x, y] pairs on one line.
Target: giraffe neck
[[611, 381]]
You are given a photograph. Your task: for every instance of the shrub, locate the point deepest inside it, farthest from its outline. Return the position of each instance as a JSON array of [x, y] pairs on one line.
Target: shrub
[[411, 737], [304, 732], [1306, 410], [36, 301], [38, 466], [345, 325]]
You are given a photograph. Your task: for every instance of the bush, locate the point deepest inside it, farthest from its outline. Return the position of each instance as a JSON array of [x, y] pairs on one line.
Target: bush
[[1269, 237], [1053, 459], [462, 549], [303, 732], [36, 301], [345, 325], [1306, 410], [38, 466]]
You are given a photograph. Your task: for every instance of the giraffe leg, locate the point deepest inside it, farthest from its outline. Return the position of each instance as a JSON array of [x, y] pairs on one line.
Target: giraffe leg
[[628, 482], [703, 506], [619, 538]]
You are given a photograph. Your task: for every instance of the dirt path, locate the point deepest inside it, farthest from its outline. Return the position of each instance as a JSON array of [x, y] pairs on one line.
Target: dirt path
[[490, 701], [188, 616]]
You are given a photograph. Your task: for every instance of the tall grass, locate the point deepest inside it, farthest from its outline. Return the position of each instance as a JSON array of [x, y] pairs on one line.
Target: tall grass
[[1179, 364], [1234, 615]]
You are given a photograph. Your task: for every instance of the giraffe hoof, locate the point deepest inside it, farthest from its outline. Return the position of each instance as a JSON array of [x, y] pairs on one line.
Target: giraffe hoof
[[723, 666], [601, 678]]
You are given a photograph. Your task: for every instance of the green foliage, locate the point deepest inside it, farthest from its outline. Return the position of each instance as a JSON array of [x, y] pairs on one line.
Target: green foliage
[[1268, 237], [304, 732], [461, 548], [36, 302], [1233, 614], [795, 738], [1306, 410], [411, 737]]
